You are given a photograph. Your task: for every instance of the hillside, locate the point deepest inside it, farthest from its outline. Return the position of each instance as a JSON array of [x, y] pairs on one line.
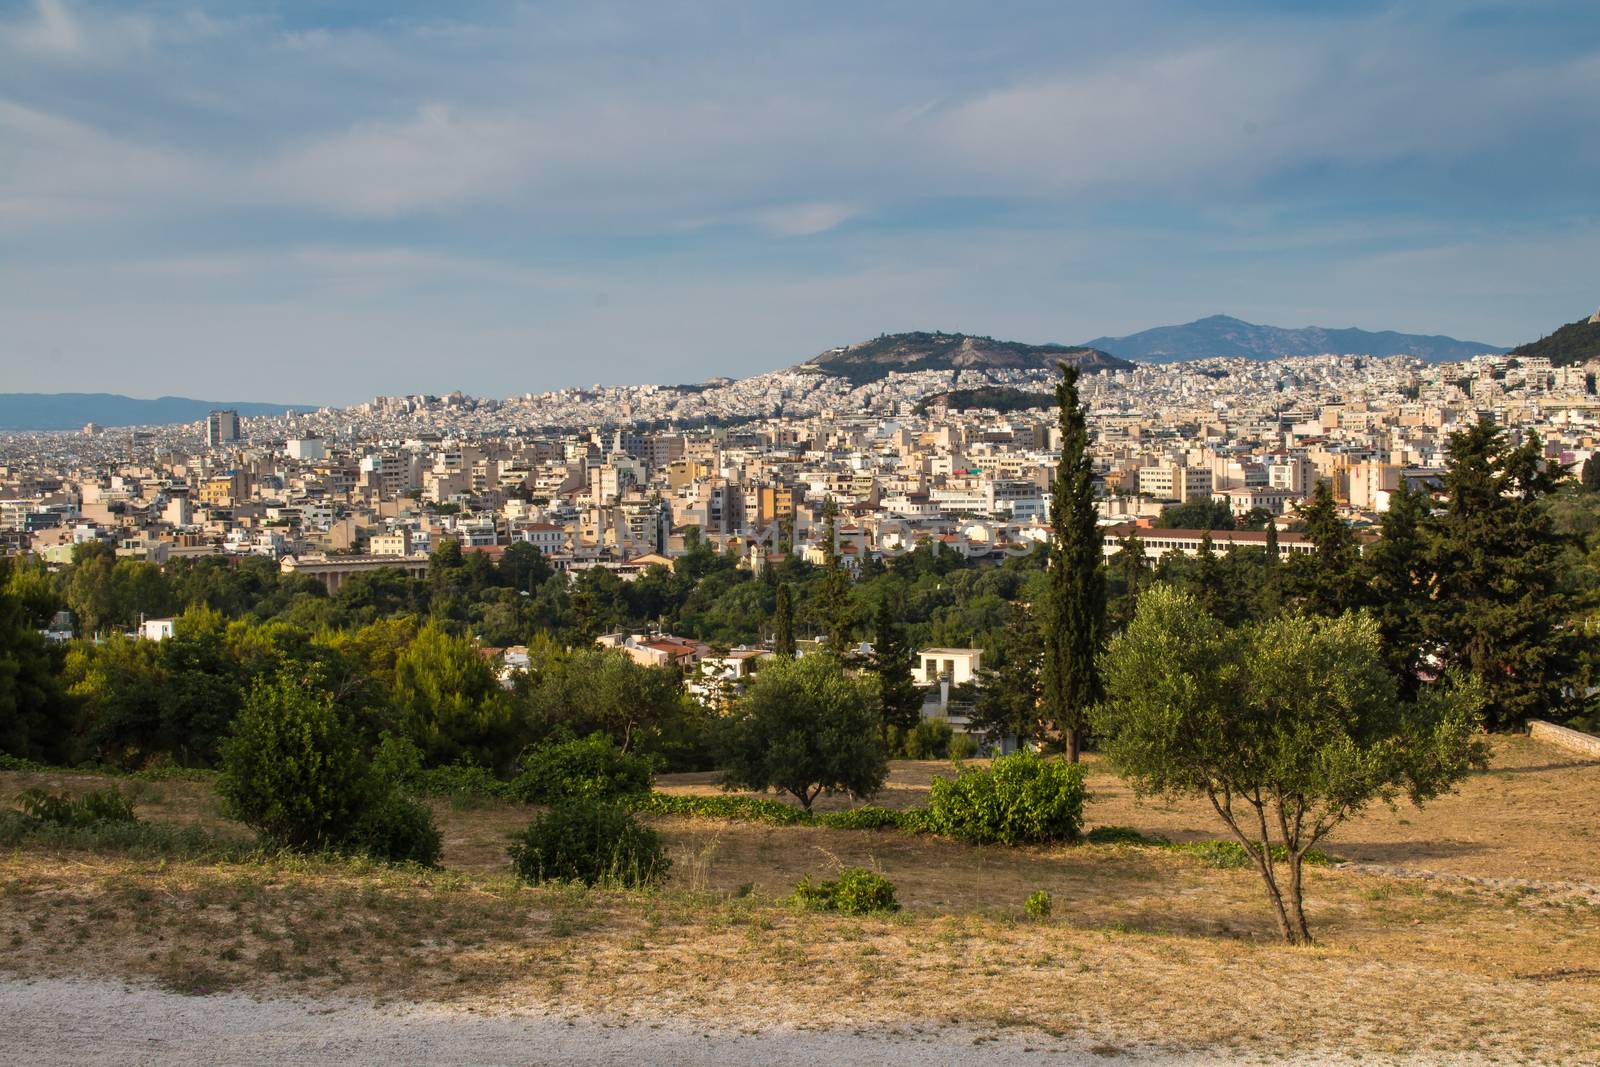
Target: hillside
[[1573, 343], [1001, 398], [1222, 335], [904, 352], [70, 411]]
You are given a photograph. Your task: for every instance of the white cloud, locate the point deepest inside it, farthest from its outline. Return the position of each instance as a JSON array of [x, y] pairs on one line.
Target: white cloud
[[804, 220], [57, 32]]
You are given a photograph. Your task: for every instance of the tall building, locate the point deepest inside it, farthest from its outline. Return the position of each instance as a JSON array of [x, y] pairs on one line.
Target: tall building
[[221, 428]]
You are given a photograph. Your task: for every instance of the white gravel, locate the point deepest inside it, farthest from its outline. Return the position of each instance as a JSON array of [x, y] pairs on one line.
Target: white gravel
[[48, 1021]]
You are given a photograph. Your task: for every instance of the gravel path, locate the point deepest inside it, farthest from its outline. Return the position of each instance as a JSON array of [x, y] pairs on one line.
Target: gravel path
[[49, 1021]]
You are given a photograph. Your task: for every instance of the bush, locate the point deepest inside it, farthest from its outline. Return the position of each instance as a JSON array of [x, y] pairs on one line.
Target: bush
[[929, 739], [1038, 905], [962, 746], [397, 828], [871, 818], [709, 806], [292, 771], [1020, 799], [137, 838], [463, 780], [106, 806], [857, 891], [592, 769], [577, 841]]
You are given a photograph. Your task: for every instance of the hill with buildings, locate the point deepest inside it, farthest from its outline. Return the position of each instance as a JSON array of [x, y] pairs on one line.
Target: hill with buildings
[[873, 360], [1573, 343], [1223, 335], [71, 411]]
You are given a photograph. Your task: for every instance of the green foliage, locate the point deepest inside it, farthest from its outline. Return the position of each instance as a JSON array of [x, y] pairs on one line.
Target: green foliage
[[899, 699], [1323, 582], [1574, 343], [907, 820], [1294, 723], [449, 701], [138, 838], [1038, 905], [595, 690], [856, 891], [101, 806], [744, 809], [1208, 514], [461, 781], [1075, 607], [592, 769], [590, 843], [929, 739], [35, 715], [962, 747], [397, 828], [1020, 799], [804, 727]]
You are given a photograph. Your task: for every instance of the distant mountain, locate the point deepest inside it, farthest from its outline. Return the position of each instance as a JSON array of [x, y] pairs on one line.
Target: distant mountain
[[70, 411], [1573, 343], [872, 360], [1221, 335]]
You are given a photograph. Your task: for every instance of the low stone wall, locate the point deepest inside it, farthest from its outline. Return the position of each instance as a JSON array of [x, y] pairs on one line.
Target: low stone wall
[[1572, 740]]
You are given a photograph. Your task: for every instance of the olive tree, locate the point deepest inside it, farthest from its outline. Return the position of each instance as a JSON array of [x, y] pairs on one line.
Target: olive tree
[[1289, 728], [805, 727]]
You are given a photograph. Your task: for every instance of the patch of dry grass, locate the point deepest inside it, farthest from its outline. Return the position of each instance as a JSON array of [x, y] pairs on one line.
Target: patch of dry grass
[[1145, 946]]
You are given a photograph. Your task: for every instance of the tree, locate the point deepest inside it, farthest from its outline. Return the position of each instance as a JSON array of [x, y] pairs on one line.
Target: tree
[[1324, 581], [1498, 607], [1076, 606], [783, 623], [291, 770], [804, 727], [1207, 514], [90, 594], [1009, 692], [449, 702], [833, 594], [1398, 584], [35, 716], [1270, 597], [1591, 474], [899, 699], [1289, 727]]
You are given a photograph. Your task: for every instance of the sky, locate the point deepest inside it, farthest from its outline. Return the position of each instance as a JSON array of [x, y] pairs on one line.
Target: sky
[[324, 202]]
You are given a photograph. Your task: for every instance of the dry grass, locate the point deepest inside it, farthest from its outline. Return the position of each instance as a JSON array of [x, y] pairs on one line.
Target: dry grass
[[1146, 947]]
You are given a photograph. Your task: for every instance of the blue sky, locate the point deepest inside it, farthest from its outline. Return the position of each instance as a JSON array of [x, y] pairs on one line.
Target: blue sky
[[322, 202]]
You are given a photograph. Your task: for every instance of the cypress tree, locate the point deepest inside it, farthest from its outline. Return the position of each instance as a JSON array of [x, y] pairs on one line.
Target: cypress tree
[[1076, 606], [1270, 597], [783, 623], [834, 594], [1591, 474]]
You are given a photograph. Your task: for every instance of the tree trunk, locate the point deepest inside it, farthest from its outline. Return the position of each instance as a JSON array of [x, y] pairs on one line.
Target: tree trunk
[[1073, 743], [1297, 899]]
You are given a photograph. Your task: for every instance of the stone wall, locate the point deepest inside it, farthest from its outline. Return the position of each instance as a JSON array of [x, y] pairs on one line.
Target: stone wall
[[1572, 740]]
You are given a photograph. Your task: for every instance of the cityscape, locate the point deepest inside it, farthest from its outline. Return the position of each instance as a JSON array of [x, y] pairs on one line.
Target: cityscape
[[899, 535]]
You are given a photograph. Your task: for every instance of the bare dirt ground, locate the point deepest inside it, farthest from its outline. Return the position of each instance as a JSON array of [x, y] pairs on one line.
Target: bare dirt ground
[[1149, 954]]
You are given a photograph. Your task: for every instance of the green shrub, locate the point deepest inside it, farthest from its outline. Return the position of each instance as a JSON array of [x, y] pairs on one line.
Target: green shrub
[[1122, 835], [576, 841], [720, 806], [292, 771], [1020, 799], [1038, 905], [592, 769], [857, 891], [397, 828], [962, 746], [9, 762], [460, 781], [397, 761], [105, 806], [929, 739], [1231, 854]]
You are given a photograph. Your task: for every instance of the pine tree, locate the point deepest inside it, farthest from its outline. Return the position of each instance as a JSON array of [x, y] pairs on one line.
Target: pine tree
[[783, 623], [1498, 606], [1076, 608], [1591, 474], [1323, 581], [1398, 581], [1009, 692], [899, 698], [1210, 583]]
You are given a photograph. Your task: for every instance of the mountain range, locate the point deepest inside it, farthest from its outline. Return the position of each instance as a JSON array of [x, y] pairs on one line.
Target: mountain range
[[871, 361], [70, 411], [1573, 343], [1223, 335]]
